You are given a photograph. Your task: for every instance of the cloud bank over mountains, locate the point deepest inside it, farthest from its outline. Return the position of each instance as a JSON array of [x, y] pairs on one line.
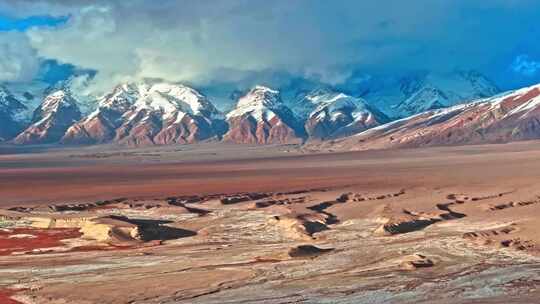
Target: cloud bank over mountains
[[200, 42], [18, 60]]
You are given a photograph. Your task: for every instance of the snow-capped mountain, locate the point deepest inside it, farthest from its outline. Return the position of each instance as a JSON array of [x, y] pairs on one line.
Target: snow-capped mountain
[[51, 119], [329, 114], [30, 94], [418, 93], [79, 88], [261, 117], [157, 112], [149, 112], [10, 107], [506, 117]]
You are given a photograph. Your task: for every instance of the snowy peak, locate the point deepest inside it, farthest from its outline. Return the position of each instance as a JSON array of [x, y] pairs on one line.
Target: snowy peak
[[10, 108], [149, 112], [8, 102], [306, 102], [480, 85], [419, 92], [334, 114], [120, 99], [170, 98], [54, 103], [503, 118], [337, 102], [260, 117], [330, 102], [261, 102], [424, 99], [260, 96], [162, 97], [51, 119]]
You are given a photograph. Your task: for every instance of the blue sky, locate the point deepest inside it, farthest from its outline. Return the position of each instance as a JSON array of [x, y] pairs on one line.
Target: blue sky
[[50, 70], [202, 42], [21, 24]]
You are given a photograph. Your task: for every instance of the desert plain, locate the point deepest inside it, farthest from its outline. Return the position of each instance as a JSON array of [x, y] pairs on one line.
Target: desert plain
[[217, 223]]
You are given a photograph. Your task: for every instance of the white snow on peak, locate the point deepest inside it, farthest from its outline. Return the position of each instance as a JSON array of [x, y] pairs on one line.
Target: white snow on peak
[[340, 101], [526, 106], [170, 98], [261, 88], [11, 105], [322, 102], [260, 102], [54, 99], [121, 98], [260, 96], [156, 96], [405, 96], [3, 93], [52, 103], [489, 104]]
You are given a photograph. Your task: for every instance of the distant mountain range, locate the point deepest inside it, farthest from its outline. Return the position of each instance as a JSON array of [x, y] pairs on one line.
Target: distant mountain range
[[420, 92], [422, 110], [506, 117], [10, 108]]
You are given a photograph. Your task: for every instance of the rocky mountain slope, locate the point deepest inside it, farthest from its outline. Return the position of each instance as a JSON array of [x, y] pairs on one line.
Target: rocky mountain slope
[[149, 113], [261, 117], [329, 114], [417, 93], [10, 107], [51, 119], [30, 94], [155, 112], [507, 117]]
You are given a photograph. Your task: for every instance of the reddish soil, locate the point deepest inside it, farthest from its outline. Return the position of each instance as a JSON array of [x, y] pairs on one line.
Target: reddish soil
[[44, 238], [513, 102], [87, 248], [5, 296], [30, 183], [56, 178]]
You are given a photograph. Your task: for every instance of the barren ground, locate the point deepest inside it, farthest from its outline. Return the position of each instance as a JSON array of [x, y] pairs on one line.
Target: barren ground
[[238, 224]]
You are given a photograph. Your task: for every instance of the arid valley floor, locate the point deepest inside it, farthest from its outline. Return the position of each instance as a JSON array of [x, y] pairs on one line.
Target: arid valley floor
[[241, 224]]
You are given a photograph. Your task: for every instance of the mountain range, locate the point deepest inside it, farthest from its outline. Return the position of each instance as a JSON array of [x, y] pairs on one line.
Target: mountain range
[[411, 94], [502, 118], [425, 110], [148, 113]]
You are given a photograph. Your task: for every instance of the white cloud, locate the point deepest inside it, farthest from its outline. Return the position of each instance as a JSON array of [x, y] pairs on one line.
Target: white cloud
[[196, 41], [18, 60]]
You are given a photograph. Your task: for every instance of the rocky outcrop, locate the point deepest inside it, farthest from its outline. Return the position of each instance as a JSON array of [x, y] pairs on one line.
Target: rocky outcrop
[[51, 119], [295, 228], [307, 251], [260, 117], [415, 261], [403, 224], [111, 229]]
